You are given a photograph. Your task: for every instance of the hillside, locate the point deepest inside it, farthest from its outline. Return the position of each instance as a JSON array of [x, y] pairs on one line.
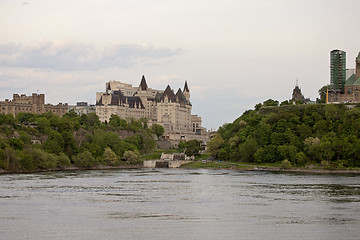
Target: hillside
[[326, 135], [31, 142]]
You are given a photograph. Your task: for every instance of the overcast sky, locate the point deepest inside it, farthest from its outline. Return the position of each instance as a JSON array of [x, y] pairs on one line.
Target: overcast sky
[[233, 53]]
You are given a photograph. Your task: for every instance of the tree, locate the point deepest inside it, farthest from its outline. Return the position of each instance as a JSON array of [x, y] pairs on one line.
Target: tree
[[92, 120], [114, 120], [285, 103], [131, 156], [63, 161], [181, 146], [43, 124], [109, 157], [322, 93], [248, 149], [258, 106], [158, 130], [11, 159], [214, 145], [54, 143], [223, 154], [270, 103], [192, 148], [85, 159]]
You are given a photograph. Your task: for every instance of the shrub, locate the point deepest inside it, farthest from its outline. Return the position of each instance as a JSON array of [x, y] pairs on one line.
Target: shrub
[[85, 159], [285, 164], [63, 161]]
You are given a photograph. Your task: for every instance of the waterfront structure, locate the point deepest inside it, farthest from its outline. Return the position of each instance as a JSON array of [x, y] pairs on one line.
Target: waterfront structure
[[31, 104], [82, 108], [165, 107], [340, 91]]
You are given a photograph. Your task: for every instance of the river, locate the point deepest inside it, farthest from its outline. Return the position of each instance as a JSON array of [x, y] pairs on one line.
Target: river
[[179, 204]]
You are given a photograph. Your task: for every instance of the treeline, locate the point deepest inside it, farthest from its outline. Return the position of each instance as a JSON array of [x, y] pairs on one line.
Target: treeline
[[33, 142], [321, 134]]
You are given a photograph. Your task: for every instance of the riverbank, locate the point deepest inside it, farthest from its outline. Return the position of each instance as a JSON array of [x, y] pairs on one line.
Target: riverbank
[[205, 165], [252, 167], [74, 168]]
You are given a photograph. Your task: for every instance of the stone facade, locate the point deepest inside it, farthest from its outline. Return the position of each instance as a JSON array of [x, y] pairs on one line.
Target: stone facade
[[31, 104], [351, 92], [164, 107], [298, 96]]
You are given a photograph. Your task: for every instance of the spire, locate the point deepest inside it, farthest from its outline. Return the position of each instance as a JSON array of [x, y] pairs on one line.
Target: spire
[[358, 56], [143, 86], [186, 88]]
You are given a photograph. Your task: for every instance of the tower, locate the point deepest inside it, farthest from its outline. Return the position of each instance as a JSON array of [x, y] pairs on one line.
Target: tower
[[357, 66], [337, 70], [143, 85], [186, 92]]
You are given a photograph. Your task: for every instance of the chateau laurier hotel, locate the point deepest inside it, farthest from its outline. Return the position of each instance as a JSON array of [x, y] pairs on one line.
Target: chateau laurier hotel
[[164, 107]]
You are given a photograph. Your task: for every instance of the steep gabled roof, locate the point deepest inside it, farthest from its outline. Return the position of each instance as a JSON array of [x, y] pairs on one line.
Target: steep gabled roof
[[351, 80], [135, 102], [143, 86], [169, 94], [158, 96], [117, 98], [357, 82], [186, 88], [108, 86], [181, 97]]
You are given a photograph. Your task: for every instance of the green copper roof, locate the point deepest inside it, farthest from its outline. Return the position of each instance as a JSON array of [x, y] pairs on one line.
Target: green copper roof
[[351, 80], [357, 82], [358, 57]]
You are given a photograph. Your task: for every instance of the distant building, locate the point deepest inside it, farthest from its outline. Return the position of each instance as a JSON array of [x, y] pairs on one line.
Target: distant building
[[82, 108], [340, 90], [297, 96], [165, 107], [31, 104], [338, 70]]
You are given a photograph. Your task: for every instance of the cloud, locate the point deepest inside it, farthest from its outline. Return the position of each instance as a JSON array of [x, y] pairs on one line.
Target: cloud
[[74, 56]]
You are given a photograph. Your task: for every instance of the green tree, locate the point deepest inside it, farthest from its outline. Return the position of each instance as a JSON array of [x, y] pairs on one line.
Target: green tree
[[270, 103], [322, 93], [248, 149], [192, 148], [131, 156], [62, 161], [84, 159], [158, 130], [109, 157], [215, 144], [285, 103]]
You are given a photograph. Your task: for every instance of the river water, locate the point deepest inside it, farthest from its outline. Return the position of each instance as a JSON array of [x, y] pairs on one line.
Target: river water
[[179, 204]]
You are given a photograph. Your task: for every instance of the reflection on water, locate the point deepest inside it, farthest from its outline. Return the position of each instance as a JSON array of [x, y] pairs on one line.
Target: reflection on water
[[179, 204]]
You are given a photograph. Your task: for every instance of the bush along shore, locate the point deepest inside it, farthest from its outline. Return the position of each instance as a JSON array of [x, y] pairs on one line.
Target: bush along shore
[[308, 137], [31, 142]]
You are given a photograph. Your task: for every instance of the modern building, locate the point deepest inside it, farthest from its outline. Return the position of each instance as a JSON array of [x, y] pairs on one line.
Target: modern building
[[350, 92], [165, 107], [337, 70], [31, 104], [83, 108]]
